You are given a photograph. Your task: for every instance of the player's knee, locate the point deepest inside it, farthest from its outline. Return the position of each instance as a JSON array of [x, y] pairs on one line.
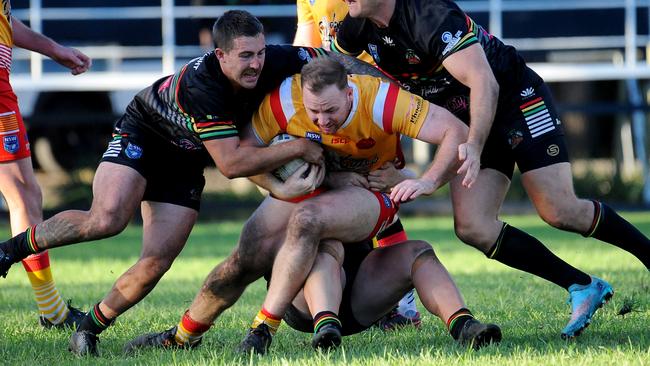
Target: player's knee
[[419, 248], [468, 232], [558, 216], [333, 248], [104, 227], [306, 220], [154, 268]]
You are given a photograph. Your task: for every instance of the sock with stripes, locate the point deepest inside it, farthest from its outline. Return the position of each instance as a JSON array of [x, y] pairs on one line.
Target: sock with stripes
[[519, 250], [457, 320], [95, 321], [393, 234], [49, 301], [611, 228], [406, 306], [189, 332], [326, 318], [272, 321], [21, 245]]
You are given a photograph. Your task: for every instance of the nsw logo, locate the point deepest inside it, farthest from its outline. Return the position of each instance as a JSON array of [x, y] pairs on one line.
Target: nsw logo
[[133, 151], [374, 52], [528, 92], [314, 136], [10, 143]]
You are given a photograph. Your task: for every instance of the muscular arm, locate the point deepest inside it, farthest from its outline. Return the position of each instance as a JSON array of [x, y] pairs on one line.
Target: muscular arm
[[448, 132], [243, 158], [470, 67], [355, 66], [71, 58]]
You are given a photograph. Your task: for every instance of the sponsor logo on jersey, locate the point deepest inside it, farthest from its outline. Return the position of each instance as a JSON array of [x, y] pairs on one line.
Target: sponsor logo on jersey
[[415, 108], [311, 2], [457, 104], [528, 92], [10, 143], [198, 61], [553, 150], [373, 51], [133, 151], [340, 140], [450, 40], [411, 57], [304, 55], [313, 136], [388, 41], [365, 144], [515, 137], [186, 144]]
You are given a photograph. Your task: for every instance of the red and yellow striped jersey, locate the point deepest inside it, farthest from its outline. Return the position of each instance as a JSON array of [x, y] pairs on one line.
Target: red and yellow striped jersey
[[369, 137]]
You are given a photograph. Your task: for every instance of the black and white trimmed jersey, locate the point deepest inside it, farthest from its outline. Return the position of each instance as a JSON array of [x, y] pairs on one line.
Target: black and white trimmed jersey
[[420, 36], [198, 103]]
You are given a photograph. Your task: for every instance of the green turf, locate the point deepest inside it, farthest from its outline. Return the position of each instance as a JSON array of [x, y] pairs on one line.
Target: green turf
[[530, 311]]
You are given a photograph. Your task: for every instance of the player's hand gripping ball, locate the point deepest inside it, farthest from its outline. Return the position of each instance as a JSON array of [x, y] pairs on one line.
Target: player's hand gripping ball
[[285, 171]]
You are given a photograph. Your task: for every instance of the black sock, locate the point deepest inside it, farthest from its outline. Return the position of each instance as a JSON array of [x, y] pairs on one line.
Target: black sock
[[519, 250], [457, 320], [18, 247], [611, 228], [95, 322], [326, 318]]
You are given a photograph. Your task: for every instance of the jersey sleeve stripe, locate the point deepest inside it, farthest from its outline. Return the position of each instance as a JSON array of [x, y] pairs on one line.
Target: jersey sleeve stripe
[[203, 125], [389, 107], [378, 106], [231, 132], [334, 46], [276, 108], [282, 104]]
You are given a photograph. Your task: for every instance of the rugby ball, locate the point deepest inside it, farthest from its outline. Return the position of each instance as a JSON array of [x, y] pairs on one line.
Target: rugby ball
[[285, 171]]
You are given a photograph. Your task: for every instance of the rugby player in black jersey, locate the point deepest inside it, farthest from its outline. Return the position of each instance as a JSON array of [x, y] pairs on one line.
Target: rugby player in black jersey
[[436, 51], [156, 159]]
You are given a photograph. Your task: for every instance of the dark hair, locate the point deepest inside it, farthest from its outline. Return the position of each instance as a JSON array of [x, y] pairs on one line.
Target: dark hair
[[322, 72], [233, 24]]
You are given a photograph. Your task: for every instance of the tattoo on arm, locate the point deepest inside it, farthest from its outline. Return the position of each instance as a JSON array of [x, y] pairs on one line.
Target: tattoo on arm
[[355, 66]]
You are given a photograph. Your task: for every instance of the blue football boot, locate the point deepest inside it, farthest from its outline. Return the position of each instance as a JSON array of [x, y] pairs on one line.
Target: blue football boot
[[585, 300]]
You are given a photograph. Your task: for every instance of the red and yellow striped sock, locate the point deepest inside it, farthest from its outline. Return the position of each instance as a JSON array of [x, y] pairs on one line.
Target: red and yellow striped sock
[[272, 321], [189, 332], [49, 301]]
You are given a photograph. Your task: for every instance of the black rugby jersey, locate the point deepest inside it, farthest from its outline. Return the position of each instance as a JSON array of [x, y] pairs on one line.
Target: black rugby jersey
[[198, 103], [421, 34]]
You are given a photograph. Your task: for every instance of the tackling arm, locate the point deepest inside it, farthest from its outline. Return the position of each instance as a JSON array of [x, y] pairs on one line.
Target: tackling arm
[[448, 132], [470, 67]]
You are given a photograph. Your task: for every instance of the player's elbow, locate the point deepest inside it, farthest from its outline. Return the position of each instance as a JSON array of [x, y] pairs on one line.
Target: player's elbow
[[230, 168]]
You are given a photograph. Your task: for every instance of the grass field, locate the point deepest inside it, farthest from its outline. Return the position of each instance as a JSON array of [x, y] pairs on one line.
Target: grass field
[[530, 311]]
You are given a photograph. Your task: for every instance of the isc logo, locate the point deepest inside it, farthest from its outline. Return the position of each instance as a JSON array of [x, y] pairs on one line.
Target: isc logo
[[340, 140]]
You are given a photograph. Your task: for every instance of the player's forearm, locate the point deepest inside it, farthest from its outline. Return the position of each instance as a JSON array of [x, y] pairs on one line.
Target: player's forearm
[[355, 66], [445, 162], [247, 161], [484, 96], [266, 181], [26, 38]]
